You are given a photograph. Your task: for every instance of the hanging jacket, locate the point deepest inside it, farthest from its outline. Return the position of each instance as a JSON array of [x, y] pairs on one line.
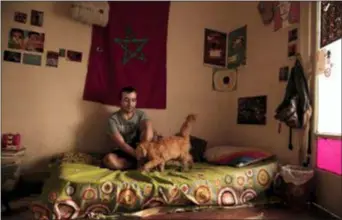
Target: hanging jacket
[[295, 110]]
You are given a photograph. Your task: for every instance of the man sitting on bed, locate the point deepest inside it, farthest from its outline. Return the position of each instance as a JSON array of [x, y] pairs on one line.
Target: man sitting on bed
[[127, 127]]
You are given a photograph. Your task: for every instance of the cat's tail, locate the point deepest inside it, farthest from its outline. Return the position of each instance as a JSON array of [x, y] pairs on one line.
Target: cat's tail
[[187, 126]]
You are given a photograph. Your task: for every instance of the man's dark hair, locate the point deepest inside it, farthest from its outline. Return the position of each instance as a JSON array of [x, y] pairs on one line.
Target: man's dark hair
[[32, 33], [17, 30], [127, 89]]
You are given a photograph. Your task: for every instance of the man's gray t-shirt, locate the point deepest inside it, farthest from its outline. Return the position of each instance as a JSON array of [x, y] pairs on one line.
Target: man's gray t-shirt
[[129, 129]]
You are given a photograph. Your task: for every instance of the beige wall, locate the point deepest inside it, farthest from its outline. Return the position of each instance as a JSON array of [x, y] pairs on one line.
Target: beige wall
[[45, 104]]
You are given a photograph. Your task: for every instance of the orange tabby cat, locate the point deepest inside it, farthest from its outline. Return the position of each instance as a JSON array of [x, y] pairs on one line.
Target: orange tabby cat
[[157, 153]]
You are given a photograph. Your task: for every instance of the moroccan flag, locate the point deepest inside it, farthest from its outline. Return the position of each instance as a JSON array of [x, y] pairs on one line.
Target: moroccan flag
[[130, 51]]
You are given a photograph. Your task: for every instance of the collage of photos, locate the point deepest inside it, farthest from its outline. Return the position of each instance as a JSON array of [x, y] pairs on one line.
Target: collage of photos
[[26, 40], [27, 46]]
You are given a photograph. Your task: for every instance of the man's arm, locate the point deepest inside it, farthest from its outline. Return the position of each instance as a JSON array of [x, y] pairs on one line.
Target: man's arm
[[120, 142], [146, 128], [118, 139]]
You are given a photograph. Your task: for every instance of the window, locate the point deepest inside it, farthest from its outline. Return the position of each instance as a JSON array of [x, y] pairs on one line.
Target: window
[[328, 89], [329, 94]]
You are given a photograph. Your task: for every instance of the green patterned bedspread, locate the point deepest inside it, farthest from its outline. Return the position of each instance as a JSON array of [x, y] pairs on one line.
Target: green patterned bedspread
[[76, 190]]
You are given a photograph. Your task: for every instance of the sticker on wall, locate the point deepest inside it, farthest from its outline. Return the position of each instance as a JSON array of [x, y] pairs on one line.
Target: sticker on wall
[[286, 14], [331, 22], [237, 43], [16, 39], [62, 52], [20, 17], [293, 35], [224, 80], [37, 18], [26, 40], [12, 56], [292, 50], [284, 73], [74, 56], [266, 11], [52, 59], [215, 46], [252, 110], [32, 59]]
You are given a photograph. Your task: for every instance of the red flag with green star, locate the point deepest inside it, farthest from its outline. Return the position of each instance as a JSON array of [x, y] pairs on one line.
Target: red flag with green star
[[130, 51]]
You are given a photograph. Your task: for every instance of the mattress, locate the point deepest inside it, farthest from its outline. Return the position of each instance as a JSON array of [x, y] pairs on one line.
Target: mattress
[[76, 190]]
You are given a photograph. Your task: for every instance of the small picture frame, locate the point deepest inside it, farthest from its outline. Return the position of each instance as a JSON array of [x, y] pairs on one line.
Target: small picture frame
[[292, 50], [62, 52], [215, 48], [37, 18], [20, 17], [284, 73], [74, 56], [293, 35]]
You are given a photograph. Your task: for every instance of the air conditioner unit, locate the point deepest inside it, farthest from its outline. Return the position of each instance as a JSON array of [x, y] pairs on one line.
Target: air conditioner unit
[[92, 13]]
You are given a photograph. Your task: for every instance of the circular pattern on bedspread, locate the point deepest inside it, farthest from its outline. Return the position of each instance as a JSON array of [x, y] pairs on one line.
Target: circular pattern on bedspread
[[249, 173], [107, 187], [66, 209], [184, 188], [147, 189], [127, 197], [263, 177], [247, 195], [202, 194], [40, 211], [89, 194], [229, 179], [227, 197], [153, 202], [240, 180], [174, 193], [70, 190], [98, 209]]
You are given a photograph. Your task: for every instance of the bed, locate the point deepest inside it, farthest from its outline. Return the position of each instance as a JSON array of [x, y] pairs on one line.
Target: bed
[[76, 189]]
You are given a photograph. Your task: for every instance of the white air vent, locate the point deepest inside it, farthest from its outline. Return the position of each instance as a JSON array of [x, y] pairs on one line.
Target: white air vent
[[92, 13]]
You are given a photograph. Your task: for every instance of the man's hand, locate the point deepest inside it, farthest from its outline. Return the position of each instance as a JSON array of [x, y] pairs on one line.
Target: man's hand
[[120, 142]]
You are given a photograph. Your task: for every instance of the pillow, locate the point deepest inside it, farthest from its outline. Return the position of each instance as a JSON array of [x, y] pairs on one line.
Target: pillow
[[235, 156], [197, 149]]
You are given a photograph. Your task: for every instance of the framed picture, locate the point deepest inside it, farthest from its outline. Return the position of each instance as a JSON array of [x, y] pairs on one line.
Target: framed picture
[[252, 110], [215, 48], [237, 48], [37, 18], [26, 40]]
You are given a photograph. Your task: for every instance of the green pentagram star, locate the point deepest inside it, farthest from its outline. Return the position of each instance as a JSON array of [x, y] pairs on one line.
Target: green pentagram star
[[130, 38]]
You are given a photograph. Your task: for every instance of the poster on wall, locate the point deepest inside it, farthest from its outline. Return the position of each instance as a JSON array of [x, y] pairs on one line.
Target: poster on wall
[[237, 46], [284, 73], [74, 56], [331, 22], [12, 56], [37, 18], [224, 80], [20, 17], [252, 110], [26, 40], [32, 59], [215, 46], [286, 14], [52, 59], [266, 11]]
